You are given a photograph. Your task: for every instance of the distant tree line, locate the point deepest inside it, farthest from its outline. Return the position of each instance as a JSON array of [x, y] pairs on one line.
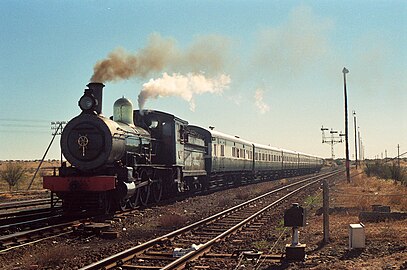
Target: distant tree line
[[387, 171]]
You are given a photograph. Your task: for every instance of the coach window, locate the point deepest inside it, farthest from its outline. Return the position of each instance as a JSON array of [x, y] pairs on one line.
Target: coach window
[[214, 150], [222, 150]]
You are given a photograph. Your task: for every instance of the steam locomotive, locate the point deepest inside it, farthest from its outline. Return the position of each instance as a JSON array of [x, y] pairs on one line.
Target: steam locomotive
[[137, 157]]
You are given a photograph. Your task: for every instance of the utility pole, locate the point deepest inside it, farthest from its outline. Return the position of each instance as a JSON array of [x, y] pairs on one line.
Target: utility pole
[[325, 207], [360, 146], [356, 140], [344, 71], [58, 126]]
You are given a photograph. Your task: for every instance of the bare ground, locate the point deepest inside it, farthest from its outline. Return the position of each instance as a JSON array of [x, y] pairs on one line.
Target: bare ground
[[385, 241]]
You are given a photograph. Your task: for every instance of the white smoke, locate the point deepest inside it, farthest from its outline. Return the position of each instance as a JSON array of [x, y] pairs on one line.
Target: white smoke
[[182, 86], [259, 102]]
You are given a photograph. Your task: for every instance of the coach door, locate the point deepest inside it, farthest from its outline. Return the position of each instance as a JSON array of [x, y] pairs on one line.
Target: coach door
[[179, 144], [222, 145]]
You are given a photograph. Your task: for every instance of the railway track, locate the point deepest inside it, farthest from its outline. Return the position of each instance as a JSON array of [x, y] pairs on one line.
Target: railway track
[[24, 204], [26, 217], [18, 213], [178, 248], [28, 237], [26, 222]]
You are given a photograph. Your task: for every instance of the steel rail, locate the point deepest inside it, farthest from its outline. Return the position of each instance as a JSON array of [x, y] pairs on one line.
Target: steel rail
[[15, 217], [20, 204], [126, 255], [33, 221], [36, 241], [180, 262], [7, 240]]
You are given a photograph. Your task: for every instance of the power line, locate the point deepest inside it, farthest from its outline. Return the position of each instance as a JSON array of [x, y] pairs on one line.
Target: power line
[[24, 120], [24, 125], [23, 131]]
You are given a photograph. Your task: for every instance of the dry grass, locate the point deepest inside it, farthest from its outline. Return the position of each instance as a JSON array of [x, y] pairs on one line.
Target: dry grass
[[51, 258], [365, 191], [172, 221], [392, 231], [243, 194], [225, 202], [31, 167], [385, 241]]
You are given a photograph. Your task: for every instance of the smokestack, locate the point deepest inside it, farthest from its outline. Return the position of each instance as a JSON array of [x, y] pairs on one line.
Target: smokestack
[[96, 89]]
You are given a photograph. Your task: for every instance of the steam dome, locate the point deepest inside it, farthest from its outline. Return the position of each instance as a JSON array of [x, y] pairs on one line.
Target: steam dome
[[123, 111]]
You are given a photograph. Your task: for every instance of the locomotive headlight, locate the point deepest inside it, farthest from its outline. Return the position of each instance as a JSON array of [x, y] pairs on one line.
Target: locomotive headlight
[[87, 102]]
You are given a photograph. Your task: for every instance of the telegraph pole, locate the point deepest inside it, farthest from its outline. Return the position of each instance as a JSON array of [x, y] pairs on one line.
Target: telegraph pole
[[360, 146], [356, 140], [344, 71], [58, 126]]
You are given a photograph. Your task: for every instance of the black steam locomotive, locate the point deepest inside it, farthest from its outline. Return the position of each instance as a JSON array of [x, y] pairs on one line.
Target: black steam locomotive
[[136, 157]]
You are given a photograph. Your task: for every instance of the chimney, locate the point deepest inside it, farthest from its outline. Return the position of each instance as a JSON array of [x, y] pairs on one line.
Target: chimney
[[96, 89]]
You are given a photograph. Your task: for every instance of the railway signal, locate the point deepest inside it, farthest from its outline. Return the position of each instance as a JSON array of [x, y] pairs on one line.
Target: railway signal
[[295, 217], [332, 140]]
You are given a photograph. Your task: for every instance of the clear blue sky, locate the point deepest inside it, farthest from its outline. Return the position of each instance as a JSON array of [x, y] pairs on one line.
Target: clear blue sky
[[291, 53]]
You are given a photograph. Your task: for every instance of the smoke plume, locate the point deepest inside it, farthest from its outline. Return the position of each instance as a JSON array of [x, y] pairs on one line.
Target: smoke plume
[[207, 54], [295, 46], [182, 86], [259, 102]]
